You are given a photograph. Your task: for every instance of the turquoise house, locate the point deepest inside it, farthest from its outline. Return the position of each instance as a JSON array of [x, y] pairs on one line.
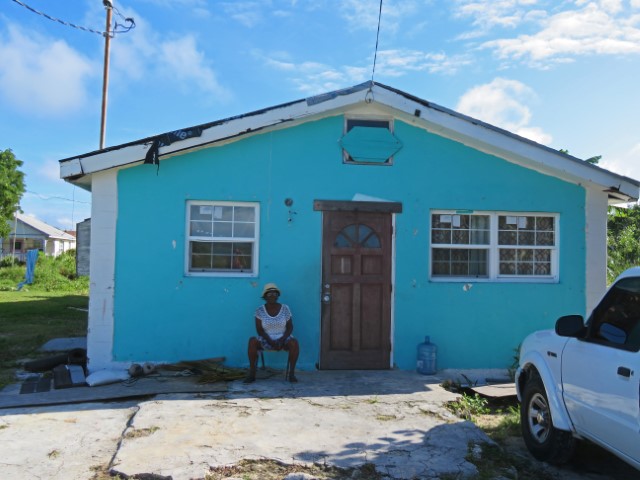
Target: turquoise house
[[382, 217]]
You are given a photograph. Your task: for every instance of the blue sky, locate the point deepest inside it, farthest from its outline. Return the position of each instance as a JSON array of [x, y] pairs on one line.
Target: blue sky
[[563, 73]]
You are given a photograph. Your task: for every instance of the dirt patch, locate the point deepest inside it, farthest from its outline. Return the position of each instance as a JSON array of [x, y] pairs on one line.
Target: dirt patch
[[272, 470]]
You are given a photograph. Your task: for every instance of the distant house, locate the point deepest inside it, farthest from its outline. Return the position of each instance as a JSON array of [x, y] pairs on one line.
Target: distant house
[[29, 233], [381, 216]]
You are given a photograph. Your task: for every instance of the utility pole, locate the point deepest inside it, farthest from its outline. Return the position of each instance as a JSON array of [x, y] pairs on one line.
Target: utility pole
[[108, 5]]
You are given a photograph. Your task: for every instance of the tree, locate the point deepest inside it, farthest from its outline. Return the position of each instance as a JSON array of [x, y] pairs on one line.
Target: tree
[[623, 240], [11, 189], [592, 160]]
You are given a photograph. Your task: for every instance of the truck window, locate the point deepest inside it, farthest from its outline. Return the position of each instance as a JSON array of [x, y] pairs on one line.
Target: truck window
[[616, 320]]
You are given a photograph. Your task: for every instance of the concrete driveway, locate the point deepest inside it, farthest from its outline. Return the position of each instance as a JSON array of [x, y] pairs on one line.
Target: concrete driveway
[[395, 420]]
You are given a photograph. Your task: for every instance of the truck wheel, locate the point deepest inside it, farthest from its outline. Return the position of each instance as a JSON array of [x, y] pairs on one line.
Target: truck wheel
[[544, 441]]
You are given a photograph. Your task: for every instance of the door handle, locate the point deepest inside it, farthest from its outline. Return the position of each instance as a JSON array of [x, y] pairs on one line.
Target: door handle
[[624, 371], [326, 298]]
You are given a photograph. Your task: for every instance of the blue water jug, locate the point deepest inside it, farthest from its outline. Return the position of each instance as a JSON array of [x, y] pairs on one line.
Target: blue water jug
[[427, 355]]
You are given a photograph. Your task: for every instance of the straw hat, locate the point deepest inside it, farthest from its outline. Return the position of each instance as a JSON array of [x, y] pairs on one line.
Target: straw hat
[[270, 287]]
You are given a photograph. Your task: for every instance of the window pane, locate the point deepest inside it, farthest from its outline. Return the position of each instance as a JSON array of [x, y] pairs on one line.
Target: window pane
[[479, 237], [507, 238], [542, 269], [441, 236], [544, 238], [221, 248], [525, 255], [441, 255], [221, 212], [200, 229], [460, 237], [544, 223], [507, 268], [342, 241], [370, 240], [222, 262], [543, 255], [244, 214], [201, 247], [525, 268], [222, 229], [201, 212], [526, 238], [243, 230], [201, 262]]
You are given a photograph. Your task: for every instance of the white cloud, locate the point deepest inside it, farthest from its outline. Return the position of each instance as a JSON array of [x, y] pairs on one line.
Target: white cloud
[[363, 14], [248, 14], [185, 62], [597, 28], [503, 103], [50, 169], [399, 62], [490, 14], [314, 77], [42, 76], [178, 60], [627, 163]]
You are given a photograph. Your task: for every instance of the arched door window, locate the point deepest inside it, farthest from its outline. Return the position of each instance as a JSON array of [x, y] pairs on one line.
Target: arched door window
[[357, 235]]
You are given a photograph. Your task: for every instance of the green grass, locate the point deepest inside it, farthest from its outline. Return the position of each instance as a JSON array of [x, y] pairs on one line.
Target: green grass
[[28, 319], [53, 306]]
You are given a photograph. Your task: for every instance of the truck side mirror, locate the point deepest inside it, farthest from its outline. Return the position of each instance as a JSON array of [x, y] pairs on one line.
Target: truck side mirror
[[570, 326]]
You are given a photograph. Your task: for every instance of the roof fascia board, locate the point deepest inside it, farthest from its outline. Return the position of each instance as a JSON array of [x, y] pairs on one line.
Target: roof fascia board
[[307, 109], [504, 144]]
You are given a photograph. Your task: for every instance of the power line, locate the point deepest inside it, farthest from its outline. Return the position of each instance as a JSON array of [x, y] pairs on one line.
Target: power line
[[369, 96], [49, 197], [375, 54], [117, 28]]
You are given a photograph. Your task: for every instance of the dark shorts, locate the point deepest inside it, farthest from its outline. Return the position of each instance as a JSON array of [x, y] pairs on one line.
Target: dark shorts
[[264, 345]]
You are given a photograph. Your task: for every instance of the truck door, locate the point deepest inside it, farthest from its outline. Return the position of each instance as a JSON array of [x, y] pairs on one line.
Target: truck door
[[601, 373]]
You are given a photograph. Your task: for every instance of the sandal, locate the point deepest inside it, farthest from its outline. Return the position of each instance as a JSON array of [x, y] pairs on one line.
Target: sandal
[[249, 379], [292, 378]]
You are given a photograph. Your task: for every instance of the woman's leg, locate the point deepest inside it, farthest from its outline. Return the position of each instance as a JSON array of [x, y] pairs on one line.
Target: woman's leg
[[252, 352], [294, 352]]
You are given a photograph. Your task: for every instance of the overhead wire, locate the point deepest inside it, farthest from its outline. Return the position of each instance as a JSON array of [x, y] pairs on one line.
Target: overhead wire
[[49, 197], [117, 28], [369, 95]]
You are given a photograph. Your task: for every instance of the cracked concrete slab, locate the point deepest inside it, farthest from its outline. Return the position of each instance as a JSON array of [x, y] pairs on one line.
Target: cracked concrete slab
[[393, 419]]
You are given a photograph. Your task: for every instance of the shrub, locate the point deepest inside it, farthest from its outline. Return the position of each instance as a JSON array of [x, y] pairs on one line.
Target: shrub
[[51, 274]]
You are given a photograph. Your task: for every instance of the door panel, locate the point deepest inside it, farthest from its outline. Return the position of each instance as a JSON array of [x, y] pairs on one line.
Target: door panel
[[356, 296]]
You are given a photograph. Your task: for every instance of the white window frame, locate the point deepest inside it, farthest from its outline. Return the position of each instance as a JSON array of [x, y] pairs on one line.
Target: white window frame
[[346, 158], [255, 240], [493, 267]]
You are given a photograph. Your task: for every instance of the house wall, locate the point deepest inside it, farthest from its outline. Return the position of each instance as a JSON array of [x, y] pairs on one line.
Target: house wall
[[164, 315]]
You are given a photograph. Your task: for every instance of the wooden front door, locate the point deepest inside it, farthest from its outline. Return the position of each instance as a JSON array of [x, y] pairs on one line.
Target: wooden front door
[[356, 290]]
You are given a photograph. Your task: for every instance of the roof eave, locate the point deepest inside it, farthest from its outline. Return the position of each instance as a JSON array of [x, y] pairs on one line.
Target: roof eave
[[437, 119]]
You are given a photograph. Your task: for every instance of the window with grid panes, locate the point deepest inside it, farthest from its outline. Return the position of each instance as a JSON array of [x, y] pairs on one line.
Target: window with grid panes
[[494, 245], [222, 238], [525, 245]]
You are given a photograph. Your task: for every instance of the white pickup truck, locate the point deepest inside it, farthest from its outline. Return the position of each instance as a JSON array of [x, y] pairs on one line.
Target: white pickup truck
[[583, 380]]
